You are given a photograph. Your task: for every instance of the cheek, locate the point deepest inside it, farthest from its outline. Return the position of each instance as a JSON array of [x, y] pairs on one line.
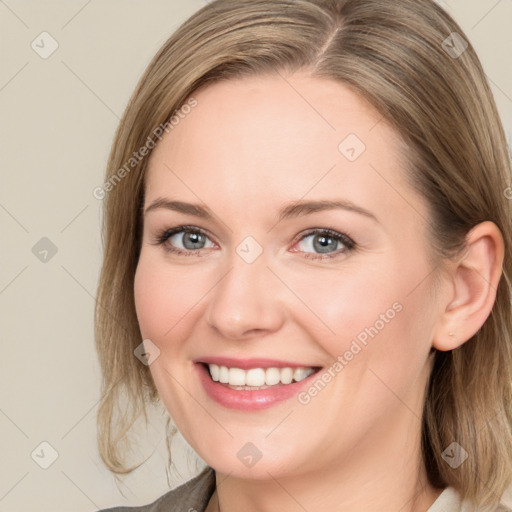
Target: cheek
[[151, 301], [165, 294], [382, 311], [165, 299], [339, 304]]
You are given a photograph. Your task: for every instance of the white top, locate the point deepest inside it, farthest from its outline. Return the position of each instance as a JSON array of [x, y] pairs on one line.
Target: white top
[[449, 501]]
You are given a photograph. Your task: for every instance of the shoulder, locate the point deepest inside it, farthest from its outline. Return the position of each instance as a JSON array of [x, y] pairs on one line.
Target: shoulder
[[192, 496], [450, 501]]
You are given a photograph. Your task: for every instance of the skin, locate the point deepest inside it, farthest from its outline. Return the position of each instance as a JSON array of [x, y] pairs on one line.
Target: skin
[[248, 148]]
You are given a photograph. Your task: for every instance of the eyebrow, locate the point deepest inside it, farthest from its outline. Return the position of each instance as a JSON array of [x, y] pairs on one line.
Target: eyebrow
[[295, 209]]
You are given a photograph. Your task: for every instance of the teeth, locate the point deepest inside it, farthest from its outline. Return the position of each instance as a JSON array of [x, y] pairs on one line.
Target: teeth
[[254, 377], [272, 376], [258, 377], [236, 377], [223, 375], [300, 374], [286, 375], [214, 372]]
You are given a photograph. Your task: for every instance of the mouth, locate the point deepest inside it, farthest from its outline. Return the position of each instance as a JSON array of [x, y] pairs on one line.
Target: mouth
[[252, 384], [257, 378]]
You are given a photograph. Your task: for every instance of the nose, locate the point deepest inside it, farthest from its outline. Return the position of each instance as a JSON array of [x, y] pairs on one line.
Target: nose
[[246, 301]]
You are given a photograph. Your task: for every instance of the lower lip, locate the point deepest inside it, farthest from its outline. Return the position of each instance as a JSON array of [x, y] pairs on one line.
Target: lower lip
[[248, 400]]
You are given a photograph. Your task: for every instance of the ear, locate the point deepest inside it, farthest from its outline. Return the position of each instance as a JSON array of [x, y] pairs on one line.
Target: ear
[[473, 283]]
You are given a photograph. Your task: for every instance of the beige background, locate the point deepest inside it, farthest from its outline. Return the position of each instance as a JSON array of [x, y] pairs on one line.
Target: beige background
[[58, 118]]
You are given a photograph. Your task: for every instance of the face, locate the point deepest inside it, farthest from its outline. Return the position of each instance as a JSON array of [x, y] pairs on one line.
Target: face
[[306, 259]]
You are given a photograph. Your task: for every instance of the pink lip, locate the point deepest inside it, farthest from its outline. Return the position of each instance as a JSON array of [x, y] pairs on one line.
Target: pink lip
[[247, 364], [246, 400]]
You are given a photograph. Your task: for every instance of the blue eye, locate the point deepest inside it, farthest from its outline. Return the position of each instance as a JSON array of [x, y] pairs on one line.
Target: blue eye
[[190, 238], [316, 243], [325, 242]]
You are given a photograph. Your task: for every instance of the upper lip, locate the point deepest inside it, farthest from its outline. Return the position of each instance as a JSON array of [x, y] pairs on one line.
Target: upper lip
[[247, 364]]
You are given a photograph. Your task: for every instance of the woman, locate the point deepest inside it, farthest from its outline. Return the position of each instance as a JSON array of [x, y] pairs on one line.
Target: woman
[[307, 261]]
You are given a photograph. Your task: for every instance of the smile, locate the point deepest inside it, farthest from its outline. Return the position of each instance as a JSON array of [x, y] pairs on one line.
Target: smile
[[257, 378], [252, 385]]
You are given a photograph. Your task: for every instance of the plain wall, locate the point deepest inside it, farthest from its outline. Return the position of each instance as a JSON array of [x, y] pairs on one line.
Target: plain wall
[[59, 115]]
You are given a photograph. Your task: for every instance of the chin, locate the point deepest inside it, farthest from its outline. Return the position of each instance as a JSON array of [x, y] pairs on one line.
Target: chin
[[248, 460]]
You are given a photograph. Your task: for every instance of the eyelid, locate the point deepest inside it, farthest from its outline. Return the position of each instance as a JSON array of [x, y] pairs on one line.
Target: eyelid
[[350, 245], [344, 238], [163, 235]]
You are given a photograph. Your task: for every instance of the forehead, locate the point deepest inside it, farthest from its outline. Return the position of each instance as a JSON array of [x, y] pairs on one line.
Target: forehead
[[266, 139]]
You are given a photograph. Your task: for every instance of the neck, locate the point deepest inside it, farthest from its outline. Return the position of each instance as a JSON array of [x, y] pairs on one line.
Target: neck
[[320, 494], [379, 474]]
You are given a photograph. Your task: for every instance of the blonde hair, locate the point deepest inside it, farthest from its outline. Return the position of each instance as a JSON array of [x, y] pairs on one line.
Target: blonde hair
[[394, 54]]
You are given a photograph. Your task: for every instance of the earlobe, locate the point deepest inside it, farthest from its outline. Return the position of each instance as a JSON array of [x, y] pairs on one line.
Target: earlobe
[[474, 283]]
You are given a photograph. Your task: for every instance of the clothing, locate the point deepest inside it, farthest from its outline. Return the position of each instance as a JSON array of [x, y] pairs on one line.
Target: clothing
[[194, 495]]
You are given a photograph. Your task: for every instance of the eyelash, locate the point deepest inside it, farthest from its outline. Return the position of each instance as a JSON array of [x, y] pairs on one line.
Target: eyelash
[[163, 236]]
